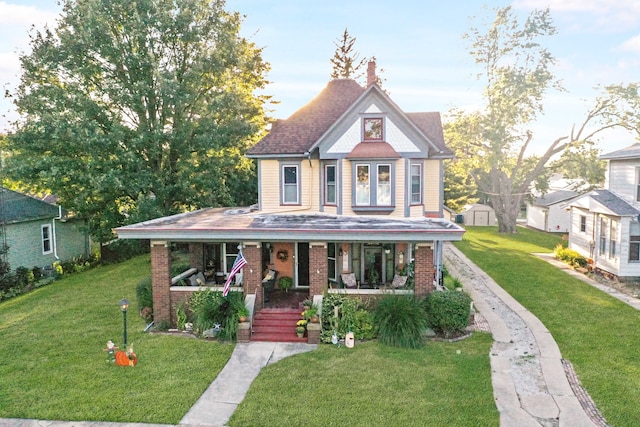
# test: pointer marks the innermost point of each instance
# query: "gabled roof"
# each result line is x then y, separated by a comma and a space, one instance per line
555, 197
606, 202
302, 129
632, 152
16, 207
299, 134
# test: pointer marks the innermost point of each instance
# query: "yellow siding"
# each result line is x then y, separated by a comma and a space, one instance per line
346, 187
270, 185
432, 186
400, 188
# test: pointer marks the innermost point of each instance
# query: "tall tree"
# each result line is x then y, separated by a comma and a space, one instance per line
346, 60
132, 110
517, 70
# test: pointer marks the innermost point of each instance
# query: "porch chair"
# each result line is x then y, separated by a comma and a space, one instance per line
349, 280
398, 281
268, 284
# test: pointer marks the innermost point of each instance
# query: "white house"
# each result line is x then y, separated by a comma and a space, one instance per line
548, 213
605, 223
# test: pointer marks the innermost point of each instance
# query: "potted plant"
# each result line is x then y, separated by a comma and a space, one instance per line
243, 314
307, 304
311, 314
301, 327
285, 283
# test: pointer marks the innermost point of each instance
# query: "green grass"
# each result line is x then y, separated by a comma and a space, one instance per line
54, 366
375, 385
597, 333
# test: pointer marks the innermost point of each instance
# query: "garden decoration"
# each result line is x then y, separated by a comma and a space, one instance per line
349, 340
111, 351
126, 358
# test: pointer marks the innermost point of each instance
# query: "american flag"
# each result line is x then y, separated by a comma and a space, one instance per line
238, 265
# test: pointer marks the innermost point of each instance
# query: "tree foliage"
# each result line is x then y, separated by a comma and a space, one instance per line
346, 61
133, 110
493, 142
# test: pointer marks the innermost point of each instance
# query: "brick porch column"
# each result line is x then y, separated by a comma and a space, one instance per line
318, 268
424, 271
252, 272
161, 280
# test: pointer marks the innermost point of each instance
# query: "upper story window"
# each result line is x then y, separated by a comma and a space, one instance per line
290, 179
372, 129
47, 246
330, 185
416, 184
374, 185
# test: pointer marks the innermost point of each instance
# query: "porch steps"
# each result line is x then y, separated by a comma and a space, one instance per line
276, 325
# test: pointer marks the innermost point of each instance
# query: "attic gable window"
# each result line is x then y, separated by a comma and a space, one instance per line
372, 129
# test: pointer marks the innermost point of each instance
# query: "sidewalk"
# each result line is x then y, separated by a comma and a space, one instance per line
531, 383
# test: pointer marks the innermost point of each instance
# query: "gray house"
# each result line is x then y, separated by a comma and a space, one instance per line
39, 233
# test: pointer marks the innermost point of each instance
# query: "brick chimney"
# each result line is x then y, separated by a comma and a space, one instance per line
371, 73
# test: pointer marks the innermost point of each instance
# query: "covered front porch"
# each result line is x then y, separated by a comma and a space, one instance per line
319, 253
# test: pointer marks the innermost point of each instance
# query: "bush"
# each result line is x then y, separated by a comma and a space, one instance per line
448, 311
569, 256
210, 308
353, 316
401, 321
144, 295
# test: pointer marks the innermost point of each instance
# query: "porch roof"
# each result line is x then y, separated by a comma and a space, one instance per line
246, 224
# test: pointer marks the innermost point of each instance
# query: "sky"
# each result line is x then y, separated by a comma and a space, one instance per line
418, 45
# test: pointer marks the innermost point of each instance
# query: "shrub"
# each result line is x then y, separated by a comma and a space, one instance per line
144, 295
210, 308
401, 321
448, 311
353, 316
569, 256
179, 267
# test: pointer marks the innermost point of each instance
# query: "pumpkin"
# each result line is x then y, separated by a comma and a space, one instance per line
122, 359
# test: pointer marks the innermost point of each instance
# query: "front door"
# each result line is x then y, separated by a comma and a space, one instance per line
302, 264
372, 266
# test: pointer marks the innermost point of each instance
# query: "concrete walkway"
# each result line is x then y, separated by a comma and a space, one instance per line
530, 384
220, 400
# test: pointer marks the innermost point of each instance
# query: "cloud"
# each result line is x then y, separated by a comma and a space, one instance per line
19, 15
631, 45
604, 13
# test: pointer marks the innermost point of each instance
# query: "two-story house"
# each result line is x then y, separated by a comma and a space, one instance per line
349, 184
605, 223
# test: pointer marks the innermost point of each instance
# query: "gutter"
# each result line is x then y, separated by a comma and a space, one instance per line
53, 231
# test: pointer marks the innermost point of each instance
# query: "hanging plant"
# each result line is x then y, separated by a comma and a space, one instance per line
282, 255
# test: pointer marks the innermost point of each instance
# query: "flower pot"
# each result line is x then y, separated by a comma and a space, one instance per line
300, 334
242, 319
315, 319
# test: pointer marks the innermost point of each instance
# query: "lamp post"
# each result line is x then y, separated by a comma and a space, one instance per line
124, 304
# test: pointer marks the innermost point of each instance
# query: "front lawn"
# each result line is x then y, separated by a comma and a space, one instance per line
54, 367
595, 332
442, 384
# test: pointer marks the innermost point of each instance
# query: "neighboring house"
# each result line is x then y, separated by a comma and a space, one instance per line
548, 212
39, 233
605, 223
478, 214
349, 186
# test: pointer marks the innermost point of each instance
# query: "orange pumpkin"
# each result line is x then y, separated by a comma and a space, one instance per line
122, 359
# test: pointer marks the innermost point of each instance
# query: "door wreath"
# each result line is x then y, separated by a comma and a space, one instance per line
282, 255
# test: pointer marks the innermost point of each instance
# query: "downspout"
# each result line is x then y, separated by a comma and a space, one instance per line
53, 231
